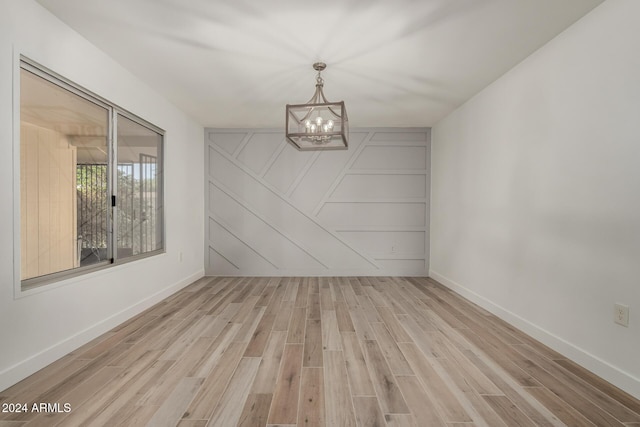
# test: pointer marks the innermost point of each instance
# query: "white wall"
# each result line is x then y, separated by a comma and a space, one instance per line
273, 210
40, 326
536, 194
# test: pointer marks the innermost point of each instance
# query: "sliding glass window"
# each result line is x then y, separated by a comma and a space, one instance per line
139, 184
72, 185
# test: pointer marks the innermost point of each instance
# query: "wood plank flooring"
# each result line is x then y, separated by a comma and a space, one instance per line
304, 351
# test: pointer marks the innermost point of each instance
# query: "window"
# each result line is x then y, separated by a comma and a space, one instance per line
139, 222
90, 181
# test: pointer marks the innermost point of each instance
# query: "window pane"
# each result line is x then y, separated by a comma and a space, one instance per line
139, 205
64, 212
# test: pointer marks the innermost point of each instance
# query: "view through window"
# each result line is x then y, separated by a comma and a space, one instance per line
72, 186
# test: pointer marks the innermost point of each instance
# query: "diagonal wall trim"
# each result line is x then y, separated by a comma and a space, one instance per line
286, 200
302, 173
381, 187
222, 256
265, 170
341, 175
222, 224
228, 141
241, 146
274, 210
220, 186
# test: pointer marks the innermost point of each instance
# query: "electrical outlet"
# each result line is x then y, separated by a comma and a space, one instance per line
621, 314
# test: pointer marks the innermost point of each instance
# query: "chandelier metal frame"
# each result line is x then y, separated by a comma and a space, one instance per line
318, 124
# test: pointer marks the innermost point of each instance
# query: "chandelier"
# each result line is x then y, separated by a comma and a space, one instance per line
318, 124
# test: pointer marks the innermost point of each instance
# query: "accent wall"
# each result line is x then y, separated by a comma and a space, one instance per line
275, 211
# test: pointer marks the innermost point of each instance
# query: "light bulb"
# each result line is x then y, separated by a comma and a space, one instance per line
313, 128
330, 124
319, 121
307, 123
325, 127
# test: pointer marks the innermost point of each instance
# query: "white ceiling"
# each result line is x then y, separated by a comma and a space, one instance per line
236, 63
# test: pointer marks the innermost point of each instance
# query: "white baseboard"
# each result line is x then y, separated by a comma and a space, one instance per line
19, 371
603, 369
318, 273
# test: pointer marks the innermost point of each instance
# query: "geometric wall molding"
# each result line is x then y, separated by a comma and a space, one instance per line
274, 211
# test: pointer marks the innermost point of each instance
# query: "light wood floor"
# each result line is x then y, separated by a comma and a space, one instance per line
314, 352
